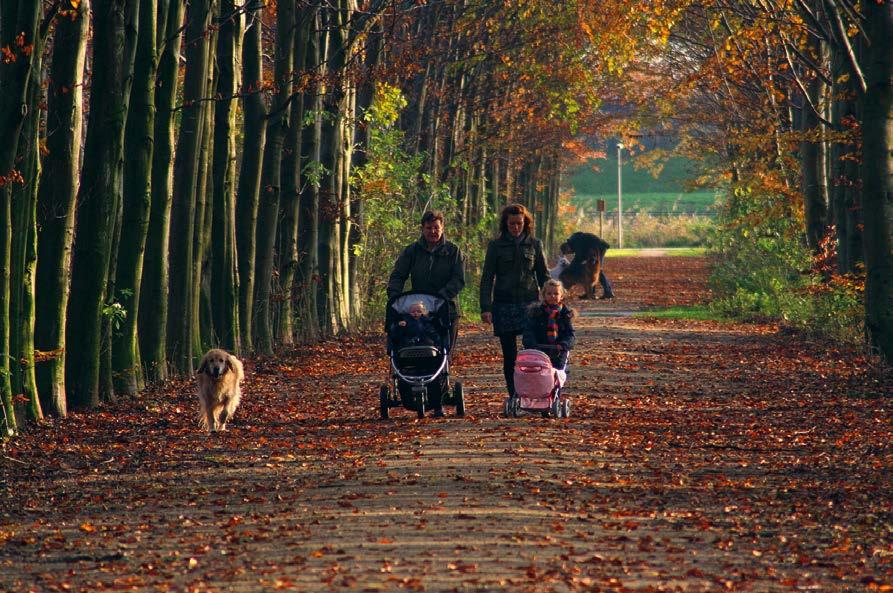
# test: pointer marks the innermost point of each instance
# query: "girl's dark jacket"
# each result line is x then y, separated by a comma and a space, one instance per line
513, 271
535, 332
440, 271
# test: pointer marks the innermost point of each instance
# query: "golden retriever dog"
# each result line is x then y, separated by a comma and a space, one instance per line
219, 377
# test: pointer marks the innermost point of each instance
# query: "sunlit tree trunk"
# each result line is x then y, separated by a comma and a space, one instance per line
180, 331
138, 148
253, 134
268, 205
153, 308
99, 193
56, 199
308, 220
877, 177
292, 162
224, 276
24, 255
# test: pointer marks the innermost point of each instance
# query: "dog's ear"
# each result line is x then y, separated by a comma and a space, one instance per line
203, 368
229, 363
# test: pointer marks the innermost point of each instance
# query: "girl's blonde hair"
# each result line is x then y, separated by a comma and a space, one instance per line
552, 282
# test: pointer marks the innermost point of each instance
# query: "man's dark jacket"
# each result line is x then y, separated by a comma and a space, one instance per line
440, 271
513, 271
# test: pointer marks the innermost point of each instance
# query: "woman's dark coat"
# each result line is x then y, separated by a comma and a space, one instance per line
513, 271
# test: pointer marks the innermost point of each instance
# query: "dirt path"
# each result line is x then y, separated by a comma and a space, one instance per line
700, 457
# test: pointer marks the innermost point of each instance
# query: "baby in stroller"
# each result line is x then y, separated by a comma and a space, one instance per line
541, 369
415, 328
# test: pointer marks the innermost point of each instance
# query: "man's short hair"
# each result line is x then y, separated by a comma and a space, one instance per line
431, 216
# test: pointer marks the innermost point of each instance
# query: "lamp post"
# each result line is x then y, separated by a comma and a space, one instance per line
620, 195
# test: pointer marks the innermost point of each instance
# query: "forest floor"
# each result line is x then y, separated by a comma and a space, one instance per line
699, 456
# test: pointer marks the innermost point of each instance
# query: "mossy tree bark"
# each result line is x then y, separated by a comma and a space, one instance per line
138, 149
55, 204
253, 134
224, 273
268, 205
181, 295
153, 308
115, 27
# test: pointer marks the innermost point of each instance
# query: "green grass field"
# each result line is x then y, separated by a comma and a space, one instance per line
641, 190
669, 251
696, 312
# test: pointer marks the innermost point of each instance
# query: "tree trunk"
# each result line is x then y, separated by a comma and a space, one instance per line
153, 309
224, 276
308, 220
877, 177
15, 75
268, 206
180, 330
815, 206
291, 165
55, 204
24, 255
99, 193
254, 131
138, 148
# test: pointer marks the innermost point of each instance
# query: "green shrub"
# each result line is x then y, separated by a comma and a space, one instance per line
763, 269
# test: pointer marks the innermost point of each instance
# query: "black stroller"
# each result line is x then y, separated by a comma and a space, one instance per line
420, 373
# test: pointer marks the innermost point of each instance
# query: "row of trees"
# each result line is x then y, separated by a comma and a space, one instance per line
789, 103
181, 174
214, 172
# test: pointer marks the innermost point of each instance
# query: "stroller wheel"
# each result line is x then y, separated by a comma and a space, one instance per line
384, 396
420, 405
555, 408
566, 408
516, 407
459, 396
506, 407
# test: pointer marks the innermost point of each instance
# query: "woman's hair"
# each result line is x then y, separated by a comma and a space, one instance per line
552, 282
431, 216
514, 210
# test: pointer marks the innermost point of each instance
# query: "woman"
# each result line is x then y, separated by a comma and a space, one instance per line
514, 270
433, 265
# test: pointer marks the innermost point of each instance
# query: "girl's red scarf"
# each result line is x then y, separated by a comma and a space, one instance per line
552, 312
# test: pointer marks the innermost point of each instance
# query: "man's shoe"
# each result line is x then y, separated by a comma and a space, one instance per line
438, 413
606, 296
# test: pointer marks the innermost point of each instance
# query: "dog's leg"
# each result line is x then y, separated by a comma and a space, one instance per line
212, 422
224, 414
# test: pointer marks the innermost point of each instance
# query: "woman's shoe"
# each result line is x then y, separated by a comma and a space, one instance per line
438, 413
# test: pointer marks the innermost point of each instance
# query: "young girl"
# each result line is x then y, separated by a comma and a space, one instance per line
549, 324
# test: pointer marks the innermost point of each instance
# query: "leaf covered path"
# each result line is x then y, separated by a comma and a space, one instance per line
700, 456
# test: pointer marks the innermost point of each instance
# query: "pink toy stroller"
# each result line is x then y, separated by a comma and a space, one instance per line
537, 387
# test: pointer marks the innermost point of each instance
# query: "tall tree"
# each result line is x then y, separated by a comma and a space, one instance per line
153, 308
877, 176
253, 134
181, 295
115, 27
268, 207
56, 200
224, 276
138, 149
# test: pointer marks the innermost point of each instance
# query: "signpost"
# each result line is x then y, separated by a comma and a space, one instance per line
601, 217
